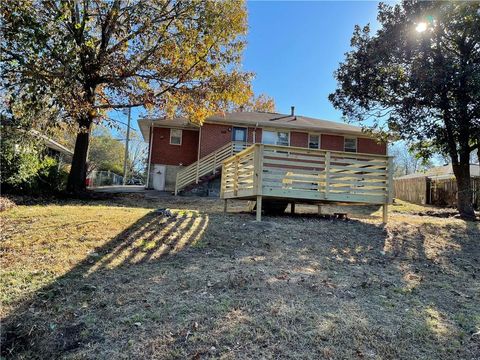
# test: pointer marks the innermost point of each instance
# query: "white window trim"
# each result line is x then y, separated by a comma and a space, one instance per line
319, 140
356, 143
181, 136
277, 130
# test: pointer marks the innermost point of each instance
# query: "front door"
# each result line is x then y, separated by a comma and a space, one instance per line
159, 177
240, 137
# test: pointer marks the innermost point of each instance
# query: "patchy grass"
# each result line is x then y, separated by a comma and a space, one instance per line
118, 280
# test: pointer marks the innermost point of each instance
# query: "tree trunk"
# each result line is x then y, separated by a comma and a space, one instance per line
464, 186
78, 172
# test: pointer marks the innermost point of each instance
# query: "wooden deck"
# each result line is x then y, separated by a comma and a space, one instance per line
307, 176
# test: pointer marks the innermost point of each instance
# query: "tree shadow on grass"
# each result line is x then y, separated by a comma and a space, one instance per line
426, 277
33, 329
298, 287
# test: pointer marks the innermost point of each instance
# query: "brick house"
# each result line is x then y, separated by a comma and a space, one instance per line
177, 146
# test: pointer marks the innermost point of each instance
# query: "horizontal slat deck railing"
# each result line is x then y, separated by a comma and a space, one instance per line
307, 174
206, 165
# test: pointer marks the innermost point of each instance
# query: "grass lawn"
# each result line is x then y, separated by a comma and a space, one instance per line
119, 280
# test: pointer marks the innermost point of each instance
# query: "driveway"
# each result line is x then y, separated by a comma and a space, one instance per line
120, 189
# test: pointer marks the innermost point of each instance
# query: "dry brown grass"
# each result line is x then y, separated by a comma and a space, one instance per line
116, 280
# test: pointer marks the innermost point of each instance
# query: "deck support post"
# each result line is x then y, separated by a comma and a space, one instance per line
259, 208
225, 206
319, 209
385, 213
292, 207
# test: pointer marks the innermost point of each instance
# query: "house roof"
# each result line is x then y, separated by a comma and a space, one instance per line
179, 123
260, 119
441, 172
52, 144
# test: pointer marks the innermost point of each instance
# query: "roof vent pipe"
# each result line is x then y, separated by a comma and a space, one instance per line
293, 111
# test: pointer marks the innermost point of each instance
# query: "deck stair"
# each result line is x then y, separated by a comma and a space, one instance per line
207, 167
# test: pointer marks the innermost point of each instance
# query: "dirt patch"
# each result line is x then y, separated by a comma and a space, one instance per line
122, 280
440, 213
6, 203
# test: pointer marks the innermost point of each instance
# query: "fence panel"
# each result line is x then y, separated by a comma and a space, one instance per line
439, 192
443, 192
413, 190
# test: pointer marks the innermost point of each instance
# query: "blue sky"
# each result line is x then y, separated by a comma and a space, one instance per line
294, 47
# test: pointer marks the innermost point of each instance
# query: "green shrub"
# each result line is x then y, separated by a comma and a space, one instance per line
25, 168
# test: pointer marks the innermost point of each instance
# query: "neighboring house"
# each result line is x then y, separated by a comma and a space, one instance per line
437, 186
54, 148
180, 152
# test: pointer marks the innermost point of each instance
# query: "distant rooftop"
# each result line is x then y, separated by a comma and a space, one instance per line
441, 172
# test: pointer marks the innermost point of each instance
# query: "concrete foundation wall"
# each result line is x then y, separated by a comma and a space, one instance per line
170, 177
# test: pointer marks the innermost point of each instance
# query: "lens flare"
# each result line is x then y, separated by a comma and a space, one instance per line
421, 27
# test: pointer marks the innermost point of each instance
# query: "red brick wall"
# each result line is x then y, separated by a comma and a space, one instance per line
258, 135
370, 146
213, 137
164, 153
331, 142
364, 145
298, 139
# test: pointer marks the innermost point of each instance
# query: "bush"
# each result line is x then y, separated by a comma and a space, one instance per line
26, 169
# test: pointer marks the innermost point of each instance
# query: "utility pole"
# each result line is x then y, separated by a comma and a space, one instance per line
126, 148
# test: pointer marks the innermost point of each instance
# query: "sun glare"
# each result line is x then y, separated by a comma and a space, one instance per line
421, 27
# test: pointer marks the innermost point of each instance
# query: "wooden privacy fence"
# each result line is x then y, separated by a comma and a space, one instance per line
443, 192
309, 175
433, 190
413, 190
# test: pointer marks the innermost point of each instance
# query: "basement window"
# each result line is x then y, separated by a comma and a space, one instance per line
175, 137
350, 144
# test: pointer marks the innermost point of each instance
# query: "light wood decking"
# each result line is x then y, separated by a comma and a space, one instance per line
307, 175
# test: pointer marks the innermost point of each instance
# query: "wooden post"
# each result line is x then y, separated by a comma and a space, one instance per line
214, 163
225, 206
258, 168
235, 177
292, 207
222, 182
176, 184
327, 173
259, 207
390, 180
385, 213
319, 209
197, 173
198, 154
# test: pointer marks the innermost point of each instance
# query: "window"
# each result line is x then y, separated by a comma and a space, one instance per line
175, 137
314, 141
350, 144
282, 138
275, 137
239, 134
